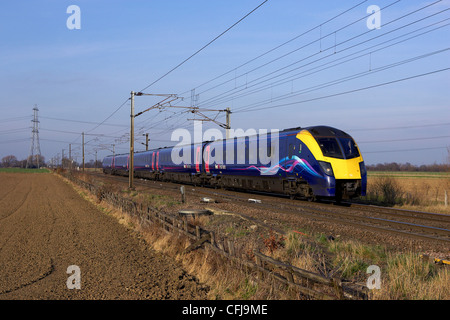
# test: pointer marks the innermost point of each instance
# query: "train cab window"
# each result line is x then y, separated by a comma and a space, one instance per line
330, 147
349, 147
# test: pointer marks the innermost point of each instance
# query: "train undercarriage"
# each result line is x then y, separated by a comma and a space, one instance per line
295, 188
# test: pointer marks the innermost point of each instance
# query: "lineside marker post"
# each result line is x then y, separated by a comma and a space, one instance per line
446, 198
183, 194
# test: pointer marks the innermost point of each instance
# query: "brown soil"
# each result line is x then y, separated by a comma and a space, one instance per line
45, 227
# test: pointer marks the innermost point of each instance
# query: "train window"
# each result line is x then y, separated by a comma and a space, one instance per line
291, 150
349, 147
330, 148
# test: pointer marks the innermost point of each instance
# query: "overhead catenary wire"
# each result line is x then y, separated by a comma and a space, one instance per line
180, 64
280, 45
405, 139
351, 91
406, 150
341, 80
220, 98
302, 47
325, 66
82, 121
403, 127
202, 48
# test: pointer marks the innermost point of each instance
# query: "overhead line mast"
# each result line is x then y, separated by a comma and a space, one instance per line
165, 103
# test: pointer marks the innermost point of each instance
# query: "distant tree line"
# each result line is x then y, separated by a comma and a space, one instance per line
394, 166
11, 161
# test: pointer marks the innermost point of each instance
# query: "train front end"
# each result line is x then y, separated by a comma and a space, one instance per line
340, 161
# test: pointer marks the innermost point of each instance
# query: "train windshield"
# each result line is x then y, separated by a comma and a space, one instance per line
330, 147
335, 143
349, 148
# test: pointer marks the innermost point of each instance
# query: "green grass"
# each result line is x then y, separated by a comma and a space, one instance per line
407, 174
22, 170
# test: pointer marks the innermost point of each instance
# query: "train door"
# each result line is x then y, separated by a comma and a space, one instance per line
157, 161
198, 157
153, 161
206, 160
290, 168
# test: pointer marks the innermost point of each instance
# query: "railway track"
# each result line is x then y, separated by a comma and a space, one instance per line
411, 224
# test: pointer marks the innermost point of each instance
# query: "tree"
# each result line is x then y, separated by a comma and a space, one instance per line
33, 161
9, 161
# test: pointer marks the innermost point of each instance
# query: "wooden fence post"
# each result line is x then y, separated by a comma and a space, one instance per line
259, 263
197, 232
230, 247
185, 224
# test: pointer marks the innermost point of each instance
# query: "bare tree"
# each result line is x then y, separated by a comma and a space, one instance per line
9, 161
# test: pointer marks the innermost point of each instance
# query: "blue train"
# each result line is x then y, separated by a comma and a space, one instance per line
311, 163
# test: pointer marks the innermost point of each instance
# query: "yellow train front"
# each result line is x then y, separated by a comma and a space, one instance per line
335, 158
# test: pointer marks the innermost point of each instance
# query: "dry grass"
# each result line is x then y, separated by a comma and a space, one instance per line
226, 281
409, 277
404, 276
414, 193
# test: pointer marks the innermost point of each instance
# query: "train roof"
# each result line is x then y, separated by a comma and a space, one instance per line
325, 131
316, 131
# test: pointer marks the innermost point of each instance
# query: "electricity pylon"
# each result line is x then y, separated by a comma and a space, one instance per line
35, 149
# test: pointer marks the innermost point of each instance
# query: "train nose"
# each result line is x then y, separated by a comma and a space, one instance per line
346, 169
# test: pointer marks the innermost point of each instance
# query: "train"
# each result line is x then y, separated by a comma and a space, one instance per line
312, 163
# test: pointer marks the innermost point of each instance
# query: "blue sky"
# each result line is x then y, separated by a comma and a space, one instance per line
78, 78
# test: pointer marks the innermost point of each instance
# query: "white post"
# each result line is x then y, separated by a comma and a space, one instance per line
446, 198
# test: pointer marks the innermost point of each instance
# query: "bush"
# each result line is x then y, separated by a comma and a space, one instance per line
388, 191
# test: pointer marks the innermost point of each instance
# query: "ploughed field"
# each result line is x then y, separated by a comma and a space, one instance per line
46, 226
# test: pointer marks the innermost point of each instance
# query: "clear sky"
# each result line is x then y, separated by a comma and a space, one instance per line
288, 64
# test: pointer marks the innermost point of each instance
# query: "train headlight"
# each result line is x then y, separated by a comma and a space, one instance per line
362, 168
326, 168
